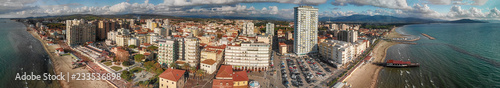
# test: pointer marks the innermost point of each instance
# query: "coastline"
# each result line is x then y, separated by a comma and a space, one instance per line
63, 64
366, 75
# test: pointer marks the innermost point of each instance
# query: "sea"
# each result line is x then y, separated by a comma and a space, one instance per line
463, 55
21, 52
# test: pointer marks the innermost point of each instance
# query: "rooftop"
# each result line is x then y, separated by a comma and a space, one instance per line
172, 74
208, 61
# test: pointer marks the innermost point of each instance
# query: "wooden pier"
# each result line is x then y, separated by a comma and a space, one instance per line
430, 37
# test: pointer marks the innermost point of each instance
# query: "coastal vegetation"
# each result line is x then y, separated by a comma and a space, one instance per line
107, 63
116, 68
127, 75
139, 57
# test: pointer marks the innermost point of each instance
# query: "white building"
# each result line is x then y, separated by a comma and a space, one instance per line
134, 41
306, 30
192, 51
247, 55
167, 52
78, 32
209, 66
338, 51
270, 29
122, 37
248, 28
112, 35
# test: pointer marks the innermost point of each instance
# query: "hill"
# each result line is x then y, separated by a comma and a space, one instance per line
466, 21
376, 19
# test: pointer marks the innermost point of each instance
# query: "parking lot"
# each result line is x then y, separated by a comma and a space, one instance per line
303, 72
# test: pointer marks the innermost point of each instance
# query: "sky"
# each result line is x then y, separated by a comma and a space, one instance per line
427, 9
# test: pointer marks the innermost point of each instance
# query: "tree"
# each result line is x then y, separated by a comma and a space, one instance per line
193, 71
139, 57
174, 65
132, 46
152, 48
148, 65
200, 73
126, 75
186, 66
126, 63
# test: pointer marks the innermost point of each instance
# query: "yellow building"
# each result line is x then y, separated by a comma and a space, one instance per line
154, 25
172, 78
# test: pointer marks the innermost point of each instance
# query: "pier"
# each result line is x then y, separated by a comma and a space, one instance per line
430, 37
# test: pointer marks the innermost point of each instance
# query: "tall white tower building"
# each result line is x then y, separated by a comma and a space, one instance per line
306, 30
270, 29
248, 28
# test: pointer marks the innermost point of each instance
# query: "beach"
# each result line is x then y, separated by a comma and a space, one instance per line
64, 64
366, 75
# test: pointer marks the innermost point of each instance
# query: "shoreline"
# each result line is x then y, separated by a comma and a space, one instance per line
366, 75
63, 64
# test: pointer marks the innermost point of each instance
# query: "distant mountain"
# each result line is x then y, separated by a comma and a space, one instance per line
237, 17
466, 21
376, 19
491, 21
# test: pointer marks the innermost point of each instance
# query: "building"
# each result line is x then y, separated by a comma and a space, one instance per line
248, 28
122, 37
78, 32
226, 78
167, 52
112, 35
264, 39
248, 55
339, 52
103, 27
181, 48
283, 48
192, 51
270, 29
172, 78
134, 41
348, 35
305, 30
209, 66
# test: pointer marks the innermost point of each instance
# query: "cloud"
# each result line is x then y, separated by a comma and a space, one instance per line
457, 2
458, 13
7, 6
225, 2
392, 4
494, 13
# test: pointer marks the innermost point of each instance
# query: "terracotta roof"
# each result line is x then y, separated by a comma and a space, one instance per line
180, 62
172, 74
147, 53
282, 44
240, 76
208, 61
217, 83
146, 44
225, 71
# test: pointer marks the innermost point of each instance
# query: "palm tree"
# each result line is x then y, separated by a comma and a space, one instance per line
186, 66
200, 73
193, 71
173, 65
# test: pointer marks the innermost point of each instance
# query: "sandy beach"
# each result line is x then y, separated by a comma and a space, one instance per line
366, 75
63, 64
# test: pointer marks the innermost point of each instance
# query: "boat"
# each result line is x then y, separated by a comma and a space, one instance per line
400, 64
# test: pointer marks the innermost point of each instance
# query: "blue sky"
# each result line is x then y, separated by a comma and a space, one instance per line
430, 9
